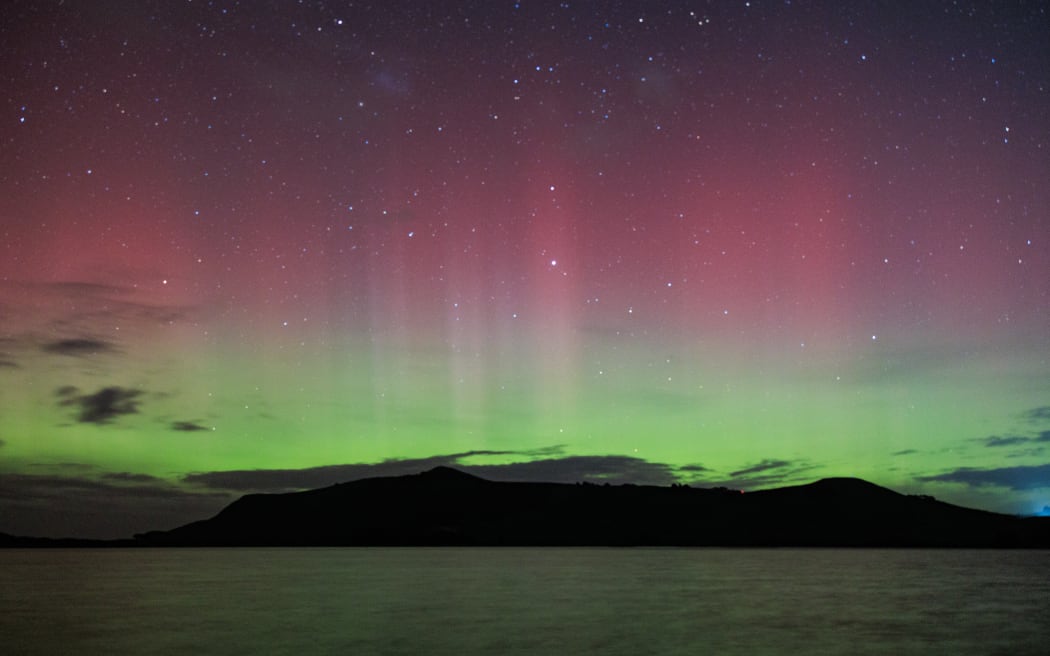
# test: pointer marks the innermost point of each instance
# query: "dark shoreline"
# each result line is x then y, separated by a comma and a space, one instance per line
446, 507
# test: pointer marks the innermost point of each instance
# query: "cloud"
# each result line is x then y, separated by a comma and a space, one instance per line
278, 480
1015, 440
1038, 415
188, 426
3, 443
693, 468
127, 477
569, 469
1011, 440
765, 473
1014, 478
614, 470
765, 465
8, 364
905, 452
103, 406
79, 346
114, 505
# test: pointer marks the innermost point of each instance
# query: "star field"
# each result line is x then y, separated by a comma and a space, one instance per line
717, 243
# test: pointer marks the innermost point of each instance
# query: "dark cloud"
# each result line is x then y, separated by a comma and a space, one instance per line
276, 480
905, 452
614, 470
187, 426
79, 346
8, 364
3, 443
1010, 440
1039, 414
765, 473
103, 406
1014, 478
569, 469
127, 477
693, 468
763, 466
1015, 440
113, 505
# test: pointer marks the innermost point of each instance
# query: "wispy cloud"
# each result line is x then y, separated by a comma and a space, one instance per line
611, 469
1038, 415
614, 470
85, 504
1010, 440
768, 472
1014, 478
128, 477
187, 426
80, 346
763, 466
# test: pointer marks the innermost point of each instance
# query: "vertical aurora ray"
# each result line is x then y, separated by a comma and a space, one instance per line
745, 244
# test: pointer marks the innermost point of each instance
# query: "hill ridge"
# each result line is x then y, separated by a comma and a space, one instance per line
446, 506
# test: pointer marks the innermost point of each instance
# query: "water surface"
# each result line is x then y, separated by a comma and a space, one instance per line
524, 601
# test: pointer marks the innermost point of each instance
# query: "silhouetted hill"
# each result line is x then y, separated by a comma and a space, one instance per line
444, 506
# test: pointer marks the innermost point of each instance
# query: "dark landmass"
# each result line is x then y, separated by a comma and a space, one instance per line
447, 507
444, 506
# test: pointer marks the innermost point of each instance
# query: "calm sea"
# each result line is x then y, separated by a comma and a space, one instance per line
524, 601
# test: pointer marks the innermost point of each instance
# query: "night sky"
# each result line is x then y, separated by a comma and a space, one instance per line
265, 246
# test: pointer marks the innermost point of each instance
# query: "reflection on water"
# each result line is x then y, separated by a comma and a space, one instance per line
499, 601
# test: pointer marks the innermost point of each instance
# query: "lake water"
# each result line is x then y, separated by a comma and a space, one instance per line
524, 601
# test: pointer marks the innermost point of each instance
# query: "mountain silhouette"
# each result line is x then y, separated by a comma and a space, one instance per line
444, 506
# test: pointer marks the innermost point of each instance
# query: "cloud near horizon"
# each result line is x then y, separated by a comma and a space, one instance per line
768, 472
612, 469
567, 469
1020, 478
110, 505
188, 426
